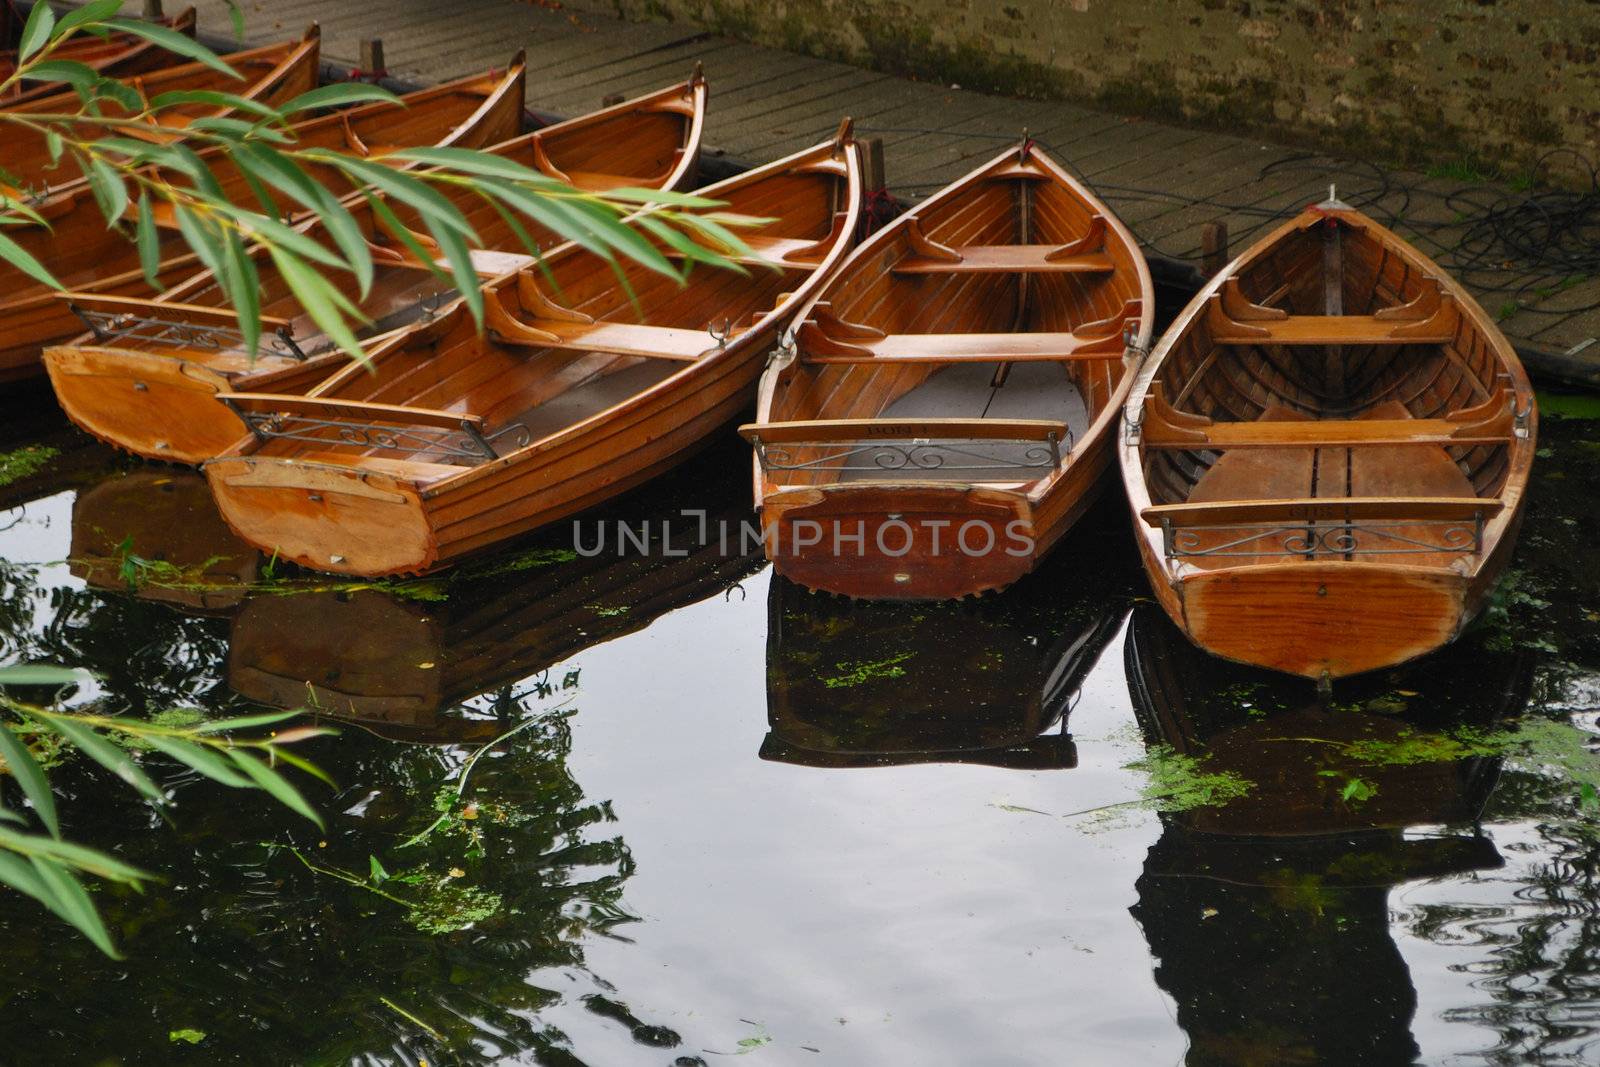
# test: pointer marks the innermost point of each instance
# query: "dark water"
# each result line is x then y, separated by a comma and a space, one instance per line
742, 820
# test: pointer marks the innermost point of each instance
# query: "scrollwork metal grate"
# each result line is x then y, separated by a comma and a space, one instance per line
466, 443
1327, 539
919, 454
109, 327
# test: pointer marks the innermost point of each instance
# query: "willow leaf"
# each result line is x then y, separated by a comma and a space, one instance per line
25, 769
23, 260
175, 42
103, 752
149, 243
94, 11
245, 722
198, 758
68, 900
275, 784
109, 190
319, 299
339, 94
35, 32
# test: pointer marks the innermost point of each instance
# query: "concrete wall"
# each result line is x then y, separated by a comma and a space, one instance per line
1480, 85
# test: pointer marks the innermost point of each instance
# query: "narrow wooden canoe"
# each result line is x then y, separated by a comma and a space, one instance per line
457, 441
271, 75
116, 55
146, 378
1327, 454
885, 684
944, 410
81, 251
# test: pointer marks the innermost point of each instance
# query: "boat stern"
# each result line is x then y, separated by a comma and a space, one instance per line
1322, 620
151, 405
338, 519
900, 542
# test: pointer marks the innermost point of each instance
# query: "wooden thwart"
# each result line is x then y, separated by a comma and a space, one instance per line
826, 338
1432, 318
1083, 255
1323, 509
359, 411
819, 431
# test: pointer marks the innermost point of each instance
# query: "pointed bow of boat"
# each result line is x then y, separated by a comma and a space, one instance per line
338, 519
899, 542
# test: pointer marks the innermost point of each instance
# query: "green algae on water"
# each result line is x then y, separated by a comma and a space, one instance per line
25, 462
852, 674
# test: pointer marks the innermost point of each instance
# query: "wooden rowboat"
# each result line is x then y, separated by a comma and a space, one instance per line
117, 55
272, 75
79, 249
456, 441
944, 409
1326, 455
145, 379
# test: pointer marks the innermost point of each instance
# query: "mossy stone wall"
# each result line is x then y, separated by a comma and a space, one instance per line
1489, 86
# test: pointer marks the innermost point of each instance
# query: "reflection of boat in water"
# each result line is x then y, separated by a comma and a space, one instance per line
155, 532
1261, 910
396, 662
880, 683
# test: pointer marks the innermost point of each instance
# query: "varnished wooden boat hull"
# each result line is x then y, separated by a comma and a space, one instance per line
1300, 497
351, 510
158, 400
999, 255
118, 56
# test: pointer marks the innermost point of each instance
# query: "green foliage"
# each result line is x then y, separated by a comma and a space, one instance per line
186, 1036
32, 739
138, 183
24, 462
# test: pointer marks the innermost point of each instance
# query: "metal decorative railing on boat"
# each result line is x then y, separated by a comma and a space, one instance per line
1401, 537
466, 443
112, 326
944, 457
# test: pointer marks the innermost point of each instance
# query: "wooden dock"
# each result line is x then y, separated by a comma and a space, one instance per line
1167, 182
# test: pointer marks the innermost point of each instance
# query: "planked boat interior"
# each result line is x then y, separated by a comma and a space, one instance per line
1326, 456
271, 75
457, 440
116, 55
964, 369
146, 376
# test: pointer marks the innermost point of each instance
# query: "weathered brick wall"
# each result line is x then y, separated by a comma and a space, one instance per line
1487, 84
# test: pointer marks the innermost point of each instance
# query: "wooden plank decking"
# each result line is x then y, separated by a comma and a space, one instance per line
1165, 181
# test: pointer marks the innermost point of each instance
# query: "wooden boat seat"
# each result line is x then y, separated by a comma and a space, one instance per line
826, 338
1396, 494
1431, 318
800, 253
1085, 255
1489, 423
546, 324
